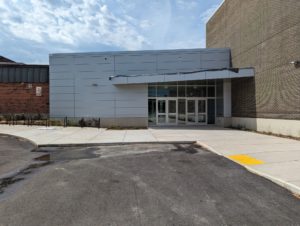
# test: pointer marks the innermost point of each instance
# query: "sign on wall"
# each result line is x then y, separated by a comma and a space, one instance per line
38, 91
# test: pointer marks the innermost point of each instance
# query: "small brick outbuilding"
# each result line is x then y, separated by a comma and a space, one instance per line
24, 88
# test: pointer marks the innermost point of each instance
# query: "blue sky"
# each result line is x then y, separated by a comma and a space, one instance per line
31, 29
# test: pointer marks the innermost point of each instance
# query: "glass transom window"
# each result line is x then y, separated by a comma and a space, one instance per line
205, 88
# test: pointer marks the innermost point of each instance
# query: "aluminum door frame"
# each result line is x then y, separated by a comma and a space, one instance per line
196, 99
167, 111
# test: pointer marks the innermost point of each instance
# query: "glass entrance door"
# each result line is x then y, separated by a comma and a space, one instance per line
202, 112
166, 111
173, 111
196, 111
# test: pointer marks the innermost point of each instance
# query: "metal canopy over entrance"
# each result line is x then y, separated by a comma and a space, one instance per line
226, 73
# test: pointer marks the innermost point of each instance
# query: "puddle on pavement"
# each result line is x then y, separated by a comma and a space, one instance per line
5, 182
61, 154
23, 174
58, 154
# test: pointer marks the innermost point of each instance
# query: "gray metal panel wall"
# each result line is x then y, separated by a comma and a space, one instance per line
80, 85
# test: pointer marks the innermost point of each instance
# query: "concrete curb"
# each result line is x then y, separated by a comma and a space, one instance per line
114, 143
23, 138
291, 187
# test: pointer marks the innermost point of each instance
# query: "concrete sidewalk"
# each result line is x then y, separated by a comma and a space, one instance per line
275, 158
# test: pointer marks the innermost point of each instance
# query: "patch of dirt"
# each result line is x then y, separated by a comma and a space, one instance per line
296, 195
191, 149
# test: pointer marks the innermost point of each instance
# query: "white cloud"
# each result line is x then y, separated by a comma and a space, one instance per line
187, 4
64, 21
31, 29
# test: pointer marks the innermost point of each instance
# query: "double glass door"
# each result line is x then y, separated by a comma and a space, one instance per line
166, 111
173, 111
196, 111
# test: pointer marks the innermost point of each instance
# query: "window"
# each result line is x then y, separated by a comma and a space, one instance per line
167, 91
151, 91
196, 91
181, 91
172, 90
211, 91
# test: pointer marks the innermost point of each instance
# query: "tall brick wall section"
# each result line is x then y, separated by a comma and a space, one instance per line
264, 34
19, 98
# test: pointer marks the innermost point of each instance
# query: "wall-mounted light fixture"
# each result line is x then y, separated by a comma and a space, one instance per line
296, 63
95, 84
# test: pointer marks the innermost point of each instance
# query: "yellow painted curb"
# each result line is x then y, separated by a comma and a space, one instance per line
245, 159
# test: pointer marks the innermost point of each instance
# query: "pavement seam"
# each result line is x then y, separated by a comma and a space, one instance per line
124, 136
100, 131
291, 187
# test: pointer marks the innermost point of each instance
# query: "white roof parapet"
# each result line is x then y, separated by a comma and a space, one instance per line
183, 76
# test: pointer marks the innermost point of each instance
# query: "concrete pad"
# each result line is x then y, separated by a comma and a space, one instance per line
287, 171
278, 157
229, 148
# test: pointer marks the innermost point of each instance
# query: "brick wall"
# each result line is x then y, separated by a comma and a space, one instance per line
264, 34
19, 98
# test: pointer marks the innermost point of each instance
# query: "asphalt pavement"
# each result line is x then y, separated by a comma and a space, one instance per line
144, 184
275, 158
15, 154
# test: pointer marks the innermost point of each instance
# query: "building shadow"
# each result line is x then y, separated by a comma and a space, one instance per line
244, 106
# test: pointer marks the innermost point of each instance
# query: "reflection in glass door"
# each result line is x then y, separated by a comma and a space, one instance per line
196, 111
172, 112
167, 111
181, 111
201, 111
161, 112
191, 111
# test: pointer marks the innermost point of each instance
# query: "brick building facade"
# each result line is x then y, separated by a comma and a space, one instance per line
264, 34
21, 98
23, 88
